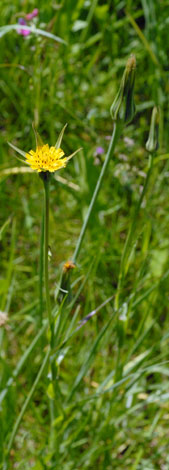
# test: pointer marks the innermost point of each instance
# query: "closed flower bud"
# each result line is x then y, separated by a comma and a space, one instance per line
123, 107
152, 142
65, 286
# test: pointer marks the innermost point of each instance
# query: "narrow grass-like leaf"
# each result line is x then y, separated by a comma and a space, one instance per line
22, 362
89, 359
10, 265
4, 226
27, 401
6, 29
16, 170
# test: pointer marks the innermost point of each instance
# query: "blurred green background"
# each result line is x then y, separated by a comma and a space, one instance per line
51, 83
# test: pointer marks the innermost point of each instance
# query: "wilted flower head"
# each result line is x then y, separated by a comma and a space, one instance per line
68, 266
3, 318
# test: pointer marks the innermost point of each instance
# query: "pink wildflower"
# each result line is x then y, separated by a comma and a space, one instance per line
23, 22
24, 32
32, 15
99, 151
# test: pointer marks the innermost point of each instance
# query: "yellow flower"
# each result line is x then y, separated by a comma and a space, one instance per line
46, 158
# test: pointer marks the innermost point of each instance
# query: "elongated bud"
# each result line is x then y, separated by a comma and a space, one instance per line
152, 142
123, 107
65, 287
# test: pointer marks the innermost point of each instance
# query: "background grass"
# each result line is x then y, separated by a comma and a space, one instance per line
107, 416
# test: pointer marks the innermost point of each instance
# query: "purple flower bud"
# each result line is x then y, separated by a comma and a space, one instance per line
99, 151
21, 21
23, 32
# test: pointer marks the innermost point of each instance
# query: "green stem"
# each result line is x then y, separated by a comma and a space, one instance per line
54, 400
46, 244
88, 20
131, 233
116, 132
41, 261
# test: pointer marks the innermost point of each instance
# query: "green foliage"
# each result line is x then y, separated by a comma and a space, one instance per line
112, 375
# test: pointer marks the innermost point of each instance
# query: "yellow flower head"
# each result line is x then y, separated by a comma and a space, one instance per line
46, 158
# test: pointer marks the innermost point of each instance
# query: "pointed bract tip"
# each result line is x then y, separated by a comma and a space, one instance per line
39, 141
131, 63
123, 107
152, 142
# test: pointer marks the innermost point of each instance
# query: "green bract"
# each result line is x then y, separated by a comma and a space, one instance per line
123, 107
152, 142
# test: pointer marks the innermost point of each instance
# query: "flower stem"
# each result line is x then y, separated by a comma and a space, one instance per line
116, 132
53, 401
46, 243
41, 262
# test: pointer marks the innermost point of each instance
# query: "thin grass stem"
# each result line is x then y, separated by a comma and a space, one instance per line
124, 259
116, 132
27, 401
131, 233
21, 363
